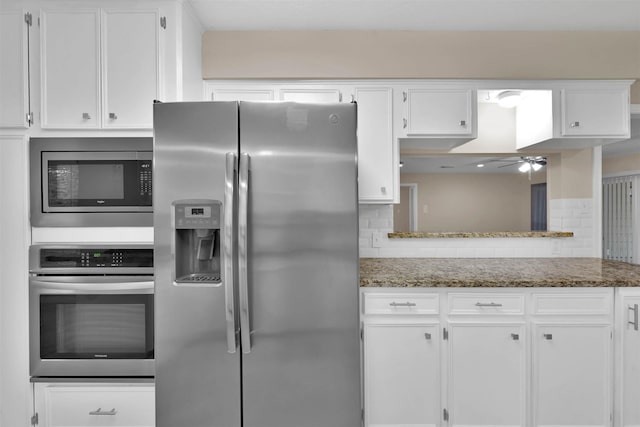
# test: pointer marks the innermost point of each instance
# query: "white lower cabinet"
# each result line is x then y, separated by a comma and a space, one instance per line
627, 372
93, 404
572, 375
487, 374
500, 357
402, 367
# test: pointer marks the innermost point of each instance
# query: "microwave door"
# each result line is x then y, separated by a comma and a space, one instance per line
96, 182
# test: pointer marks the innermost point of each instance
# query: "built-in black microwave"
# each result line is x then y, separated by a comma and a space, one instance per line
91, 182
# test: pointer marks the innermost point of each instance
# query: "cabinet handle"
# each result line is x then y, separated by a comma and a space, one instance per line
383, 190
113, 116
427, 335
634, 322
99, 411
575, 124
402, 304
491, 304
404, 123
86, 116
548, 336
515, 337
463, 123
404, 96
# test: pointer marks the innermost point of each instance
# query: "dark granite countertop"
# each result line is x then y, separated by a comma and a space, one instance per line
470, 235
496, 272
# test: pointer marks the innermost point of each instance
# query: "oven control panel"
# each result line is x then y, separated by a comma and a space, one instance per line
95, 257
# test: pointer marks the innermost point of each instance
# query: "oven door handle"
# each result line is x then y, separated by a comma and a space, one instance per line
88, 286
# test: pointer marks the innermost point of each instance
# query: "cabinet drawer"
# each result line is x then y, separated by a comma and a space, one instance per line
131, 406
572, 304
401, 303
486, 303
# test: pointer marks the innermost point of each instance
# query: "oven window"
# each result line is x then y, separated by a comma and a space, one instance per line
96, 326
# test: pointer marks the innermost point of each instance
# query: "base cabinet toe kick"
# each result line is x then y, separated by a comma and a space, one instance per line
501, 356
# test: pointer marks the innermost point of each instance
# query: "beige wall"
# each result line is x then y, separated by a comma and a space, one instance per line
621, 164
473, 202
569, 175
422, 54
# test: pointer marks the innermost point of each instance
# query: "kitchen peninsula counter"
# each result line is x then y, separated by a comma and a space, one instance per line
496, 272
480, 235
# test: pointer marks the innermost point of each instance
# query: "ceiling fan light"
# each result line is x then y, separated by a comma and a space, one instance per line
536, 167
524, 167
509, 98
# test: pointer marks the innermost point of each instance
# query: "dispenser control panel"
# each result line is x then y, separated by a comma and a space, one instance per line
190, 216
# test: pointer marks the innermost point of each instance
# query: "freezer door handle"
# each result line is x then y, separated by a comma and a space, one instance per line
243, 280
229, 197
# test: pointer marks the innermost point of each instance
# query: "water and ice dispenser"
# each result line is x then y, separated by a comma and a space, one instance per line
197, 241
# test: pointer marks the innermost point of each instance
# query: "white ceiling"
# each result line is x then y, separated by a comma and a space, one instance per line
426, 15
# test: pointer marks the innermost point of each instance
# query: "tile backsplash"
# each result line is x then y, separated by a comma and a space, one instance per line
575, 215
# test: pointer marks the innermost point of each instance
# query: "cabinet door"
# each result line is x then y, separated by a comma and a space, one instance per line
13, 70
240, 94
487, 374
402, 375
82, 405
630, 372
70, 72
446, 112
572, 374
310, 95
129, 37
595, 112
376, 154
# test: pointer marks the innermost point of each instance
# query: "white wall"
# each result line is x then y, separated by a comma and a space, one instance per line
15, 402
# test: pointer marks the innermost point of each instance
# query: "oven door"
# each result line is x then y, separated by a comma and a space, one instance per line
91, 326
94, 181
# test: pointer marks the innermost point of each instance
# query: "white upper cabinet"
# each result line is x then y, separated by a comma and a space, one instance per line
595, 112
438, 118
377, 157
307, 94
70, 68
99, 68
129, 37
440, 112
239, 94
579, 115
14, 89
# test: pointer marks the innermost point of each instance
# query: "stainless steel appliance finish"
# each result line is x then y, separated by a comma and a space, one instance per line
91, 311
82, 182
274, 340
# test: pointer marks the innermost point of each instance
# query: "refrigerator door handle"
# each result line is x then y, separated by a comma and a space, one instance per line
243, 200
229, 196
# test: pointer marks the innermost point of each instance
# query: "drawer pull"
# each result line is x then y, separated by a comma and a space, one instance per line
402, 304
548, 336
634, 322
515, 337
491, 304
99, 411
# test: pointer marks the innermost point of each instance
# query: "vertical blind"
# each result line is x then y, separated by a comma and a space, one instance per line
618, 217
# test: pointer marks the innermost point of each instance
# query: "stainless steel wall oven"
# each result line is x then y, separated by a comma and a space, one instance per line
91, 182
91, 311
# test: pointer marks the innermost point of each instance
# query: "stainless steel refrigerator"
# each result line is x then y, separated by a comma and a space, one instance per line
256, 265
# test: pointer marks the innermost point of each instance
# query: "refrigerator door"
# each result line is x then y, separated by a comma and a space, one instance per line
301, 365
197, 378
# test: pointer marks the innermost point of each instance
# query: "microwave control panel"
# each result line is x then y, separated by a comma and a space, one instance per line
95, 258
146, 178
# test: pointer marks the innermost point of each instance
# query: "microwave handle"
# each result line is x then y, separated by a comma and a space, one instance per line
92, 287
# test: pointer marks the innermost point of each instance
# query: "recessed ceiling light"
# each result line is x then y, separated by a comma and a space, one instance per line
480, 165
